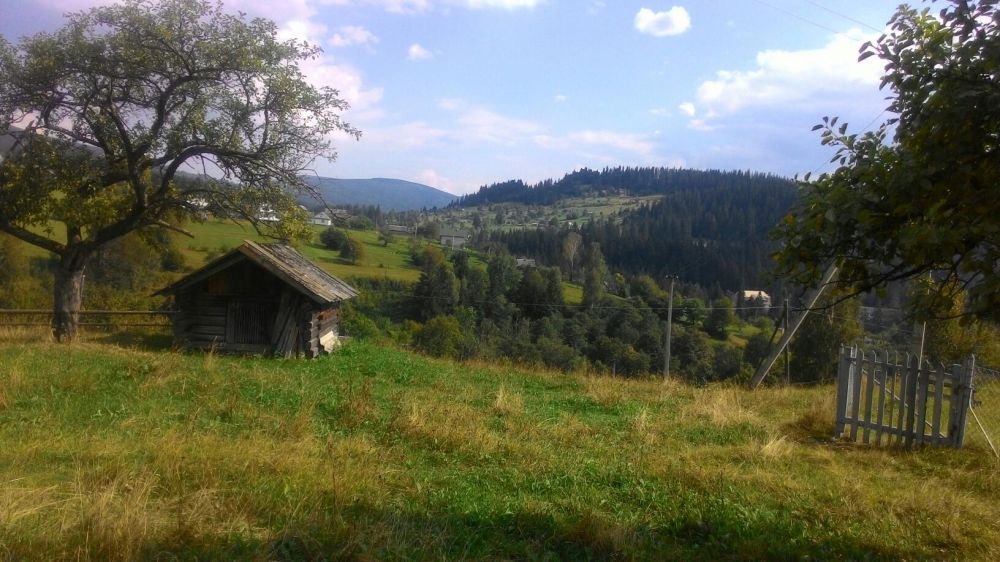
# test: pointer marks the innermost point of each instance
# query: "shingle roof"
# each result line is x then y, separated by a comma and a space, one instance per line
284, 262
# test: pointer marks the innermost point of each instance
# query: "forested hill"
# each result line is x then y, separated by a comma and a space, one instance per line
711, 230
633, 181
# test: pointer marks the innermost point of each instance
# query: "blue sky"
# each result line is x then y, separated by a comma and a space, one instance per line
461, 93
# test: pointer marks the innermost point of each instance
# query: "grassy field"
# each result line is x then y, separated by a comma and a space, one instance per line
115, 453
381, 262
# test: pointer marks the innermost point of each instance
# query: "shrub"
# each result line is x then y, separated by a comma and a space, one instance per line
441, 336
333, 238
360, 223
356, 325
353, 250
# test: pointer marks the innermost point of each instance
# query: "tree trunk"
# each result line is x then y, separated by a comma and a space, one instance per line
68, 296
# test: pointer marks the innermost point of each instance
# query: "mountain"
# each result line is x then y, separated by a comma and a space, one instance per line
711, 227
632, 181
389, 194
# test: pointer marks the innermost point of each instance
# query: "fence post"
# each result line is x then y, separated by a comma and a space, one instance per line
910, 399
964, 389
854, 392
843, 378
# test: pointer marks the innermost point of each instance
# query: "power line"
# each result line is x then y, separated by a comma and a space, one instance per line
845, 16
798, 17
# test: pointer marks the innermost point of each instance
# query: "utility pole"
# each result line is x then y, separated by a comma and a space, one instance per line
788, 366
809, 302
670, 322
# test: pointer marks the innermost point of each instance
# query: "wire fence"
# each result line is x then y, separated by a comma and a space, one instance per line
984, 418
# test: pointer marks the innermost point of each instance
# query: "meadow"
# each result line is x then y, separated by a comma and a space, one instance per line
119, 452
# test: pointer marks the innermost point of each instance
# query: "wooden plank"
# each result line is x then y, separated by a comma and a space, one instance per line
938, 400
966, 385
921, 402
855, 392
206, 329
843, 387
891, 381
884, 375
910, 398
904, 381
869, 393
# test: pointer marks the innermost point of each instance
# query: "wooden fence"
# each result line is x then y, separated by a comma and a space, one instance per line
889, 398
88, 318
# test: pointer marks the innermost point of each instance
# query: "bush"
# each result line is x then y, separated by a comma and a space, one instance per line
557, 355
333, 238
356, 325
353, 250
441, 336
360, 223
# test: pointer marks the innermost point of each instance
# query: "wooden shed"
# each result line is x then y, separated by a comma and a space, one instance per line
259, 298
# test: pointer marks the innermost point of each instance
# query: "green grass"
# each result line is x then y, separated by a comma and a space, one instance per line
112, 453
380, 262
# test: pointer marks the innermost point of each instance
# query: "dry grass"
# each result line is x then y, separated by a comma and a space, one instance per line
721, 406
507, 402
119, 454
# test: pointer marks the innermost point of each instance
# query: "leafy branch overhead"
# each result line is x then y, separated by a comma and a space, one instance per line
107, 111
918, 195
150, 87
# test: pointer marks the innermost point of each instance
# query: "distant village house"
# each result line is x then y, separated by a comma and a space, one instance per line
756, 298
400, 229
454, 238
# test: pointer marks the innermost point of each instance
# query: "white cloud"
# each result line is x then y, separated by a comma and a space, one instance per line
434, 179
325, 71
822, 79
559, 98
661, 24
352, 35
687, 108
660, 112
416, 52
486, 125
595, 7
577, 141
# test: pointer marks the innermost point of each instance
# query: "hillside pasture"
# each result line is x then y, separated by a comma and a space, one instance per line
115, 453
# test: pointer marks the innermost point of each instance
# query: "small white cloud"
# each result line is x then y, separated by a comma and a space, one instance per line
434, 179
687, 108
416, 52
659, 112
559, 98
352, 35
596, 6
661, 24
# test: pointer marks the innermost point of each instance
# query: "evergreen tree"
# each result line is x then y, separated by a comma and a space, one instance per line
720, 317
817, 342
438, 289
595, 271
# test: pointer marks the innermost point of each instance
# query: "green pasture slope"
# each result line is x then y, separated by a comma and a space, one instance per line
381, 262
111, 453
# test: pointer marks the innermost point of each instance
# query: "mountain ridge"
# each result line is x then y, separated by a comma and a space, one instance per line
388, 193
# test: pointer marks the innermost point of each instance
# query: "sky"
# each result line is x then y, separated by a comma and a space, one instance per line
458, 94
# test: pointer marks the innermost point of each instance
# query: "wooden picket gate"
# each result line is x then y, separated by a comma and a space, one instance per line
889, 398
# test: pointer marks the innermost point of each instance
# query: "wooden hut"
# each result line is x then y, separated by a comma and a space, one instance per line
259, 298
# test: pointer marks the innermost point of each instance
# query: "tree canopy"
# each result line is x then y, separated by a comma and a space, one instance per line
918, 195
106, 111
